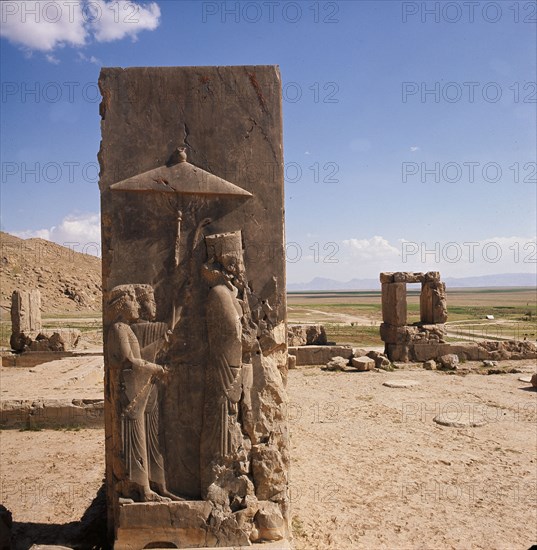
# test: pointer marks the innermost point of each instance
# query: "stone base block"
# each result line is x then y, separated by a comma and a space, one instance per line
185, 524
397, 352
319, 355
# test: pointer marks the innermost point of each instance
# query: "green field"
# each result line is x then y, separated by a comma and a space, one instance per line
354, 317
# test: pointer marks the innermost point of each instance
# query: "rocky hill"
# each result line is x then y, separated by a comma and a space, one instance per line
69, 281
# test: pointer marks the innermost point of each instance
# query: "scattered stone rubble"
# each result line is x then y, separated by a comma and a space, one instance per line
27, 333
360, 360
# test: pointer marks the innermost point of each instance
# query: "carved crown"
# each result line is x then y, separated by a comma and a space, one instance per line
223, 243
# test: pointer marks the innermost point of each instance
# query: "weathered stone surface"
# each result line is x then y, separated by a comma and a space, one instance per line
269, 522
386, 277
26, 311
337, 363
27, 332
400, 383
408, 277
432, 277
319, 355
433, 308
534, 380
291, 361
363, 363
429, 365
394, 308
381, 361
51, 413
471, 351
449, 361
397, 352
194, 320
25, 318
358, 352
306, 335
460, 421
397, 335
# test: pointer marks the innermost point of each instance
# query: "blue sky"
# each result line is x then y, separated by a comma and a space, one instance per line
409, 127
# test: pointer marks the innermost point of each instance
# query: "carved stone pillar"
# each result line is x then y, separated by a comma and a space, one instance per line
192, 216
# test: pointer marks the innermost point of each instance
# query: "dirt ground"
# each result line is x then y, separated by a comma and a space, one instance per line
370, 467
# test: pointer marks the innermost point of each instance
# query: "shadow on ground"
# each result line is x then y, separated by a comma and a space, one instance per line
87, 534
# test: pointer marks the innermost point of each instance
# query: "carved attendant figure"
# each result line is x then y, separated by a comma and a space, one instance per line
152, 337
133, 378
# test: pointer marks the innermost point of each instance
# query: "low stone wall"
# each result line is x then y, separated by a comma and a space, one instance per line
319, 355
469, 351
51, 413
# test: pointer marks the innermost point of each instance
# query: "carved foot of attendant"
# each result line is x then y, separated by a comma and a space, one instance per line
151, 496
161, 490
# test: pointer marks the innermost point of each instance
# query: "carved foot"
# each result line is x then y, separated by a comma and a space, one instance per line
151, 496
161, 490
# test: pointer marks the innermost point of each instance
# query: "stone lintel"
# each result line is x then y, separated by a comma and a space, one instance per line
408, 277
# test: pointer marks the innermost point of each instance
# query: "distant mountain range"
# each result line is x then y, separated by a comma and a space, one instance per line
500, 280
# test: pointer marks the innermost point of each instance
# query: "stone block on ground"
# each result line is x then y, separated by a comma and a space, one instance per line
449, 361
363, 363
337, 363
291, 361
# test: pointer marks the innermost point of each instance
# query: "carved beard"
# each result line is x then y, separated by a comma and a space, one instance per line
237, 280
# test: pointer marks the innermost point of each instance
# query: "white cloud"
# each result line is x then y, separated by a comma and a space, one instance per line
43, 25
46, 25
123, 18
90, 59
52, 59
365, 258
80, 232
374, 249
414, 148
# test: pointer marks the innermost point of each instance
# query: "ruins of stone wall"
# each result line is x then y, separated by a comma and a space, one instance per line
399, 337
26, 311
306, 335
27, 333
194, 308
425, 340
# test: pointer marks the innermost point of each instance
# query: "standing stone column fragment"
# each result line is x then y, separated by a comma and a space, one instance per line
194, 306
394, 308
